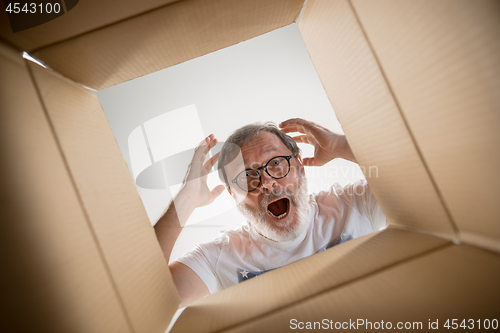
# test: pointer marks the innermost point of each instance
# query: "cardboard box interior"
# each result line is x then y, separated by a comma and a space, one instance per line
415, 86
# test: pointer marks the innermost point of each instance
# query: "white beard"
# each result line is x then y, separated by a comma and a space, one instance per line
295, 227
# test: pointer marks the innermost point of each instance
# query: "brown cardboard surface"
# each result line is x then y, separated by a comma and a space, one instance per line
54, 278
82, 256
455, 282
165, 37
111, 201
304, 279
371, 117
442, 60
86, 16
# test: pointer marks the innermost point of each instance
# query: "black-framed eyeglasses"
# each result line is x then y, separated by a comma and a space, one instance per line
277, 167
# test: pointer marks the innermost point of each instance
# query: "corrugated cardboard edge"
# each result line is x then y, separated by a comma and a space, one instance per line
441, 61
122, 230
86, 16
54, 277
305, 279
371, 118
164, 37
451, 282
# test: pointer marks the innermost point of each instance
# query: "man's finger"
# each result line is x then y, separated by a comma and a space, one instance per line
203, 148
210, 163
211, 143
294, 128
292, 122
299, 124
302, 139
199, 149
302, 126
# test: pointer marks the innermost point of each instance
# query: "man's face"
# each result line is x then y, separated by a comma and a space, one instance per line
277, 209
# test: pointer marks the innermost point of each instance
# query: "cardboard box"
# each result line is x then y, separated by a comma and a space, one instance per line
415, 86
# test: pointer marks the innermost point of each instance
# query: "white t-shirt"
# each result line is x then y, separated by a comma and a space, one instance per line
335, 216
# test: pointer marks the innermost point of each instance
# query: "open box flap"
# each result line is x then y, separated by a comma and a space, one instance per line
265, 294
54, 276
455, 283
164, 37
441, 60
371, 118
84, 17
110, 201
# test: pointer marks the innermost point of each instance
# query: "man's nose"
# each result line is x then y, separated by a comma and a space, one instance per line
268, 182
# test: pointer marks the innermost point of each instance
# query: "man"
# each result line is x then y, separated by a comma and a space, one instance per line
264, 173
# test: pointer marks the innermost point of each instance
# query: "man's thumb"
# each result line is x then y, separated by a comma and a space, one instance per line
217, 191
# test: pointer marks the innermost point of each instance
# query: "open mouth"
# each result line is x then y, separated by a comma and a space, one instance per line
279, 208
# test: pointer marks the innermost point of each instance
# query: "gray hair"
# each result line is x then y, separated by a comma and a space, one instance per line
242, 136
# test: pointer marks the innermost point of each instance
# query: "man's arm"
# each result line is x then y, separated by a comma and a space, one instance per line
194, 193
168, 228
190, 286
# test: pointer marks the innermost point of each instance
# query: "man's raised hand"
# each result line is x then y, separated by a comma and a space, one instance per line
194, 187
327, 145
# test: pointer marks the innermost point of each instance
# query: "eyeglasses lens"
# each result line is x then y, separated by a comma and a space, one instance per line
250, 179
278, 167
